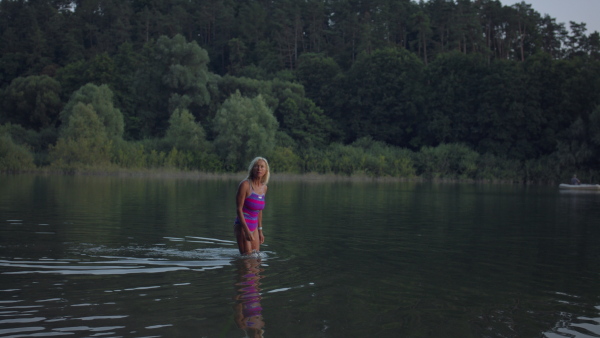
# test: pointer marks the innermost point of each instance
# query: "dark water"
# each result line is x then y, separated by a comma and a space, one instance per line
139, 257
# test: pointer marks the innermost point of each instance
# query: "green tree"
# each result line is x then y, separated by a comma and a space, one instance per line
245, 128
594, 45
185, 133
252, 21
543, 91
101, 100
316, 72
127, 61
174, 75
287, 28
508, 119
83, 141
577, 41
553, 36
574, 149
13, 156
453, 160
383, 97
524, 26
579, 148
422, 28
33, 102
99, 70
453, 98
315, 15
306, 123
185, 73
237, 55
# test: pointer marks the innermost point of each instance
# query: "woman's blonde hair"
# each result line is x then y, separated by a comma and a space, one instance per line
265, 179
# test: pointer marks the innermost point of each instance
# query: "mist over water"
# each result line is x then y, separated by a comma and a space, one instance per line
143, 257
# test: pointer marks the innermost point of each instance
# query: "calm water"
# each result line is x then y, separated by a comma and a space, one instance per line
140, 257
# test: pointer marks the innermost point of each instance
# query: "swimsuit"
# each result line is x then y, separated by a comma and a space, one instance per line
253, 205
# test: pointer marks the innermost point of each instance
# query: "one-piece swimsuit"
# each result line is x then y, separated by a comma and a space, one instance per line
253, 205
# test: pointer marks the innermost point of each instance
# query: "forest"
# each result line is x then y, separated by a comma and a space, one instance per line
438, 89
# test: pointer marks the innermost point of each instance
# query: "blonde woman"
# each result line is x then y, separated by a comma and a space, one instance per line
250, 201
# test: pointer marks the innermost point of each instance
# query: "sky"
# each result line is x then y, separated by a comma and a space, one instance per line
563, 11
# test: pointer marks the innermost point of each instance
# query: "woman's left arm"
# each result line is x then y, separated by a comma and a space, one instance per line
261, 237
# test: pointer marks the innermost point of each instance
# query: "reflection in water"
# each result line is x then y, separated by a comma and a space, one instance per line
247, 308
95, 290
128, 257
569, 325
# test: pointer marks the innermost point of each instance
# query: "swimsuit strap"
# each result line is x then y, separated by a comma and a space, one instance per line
252, 187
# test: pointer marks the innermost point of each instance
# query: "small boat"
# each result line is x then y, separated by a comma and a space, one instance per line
579, 186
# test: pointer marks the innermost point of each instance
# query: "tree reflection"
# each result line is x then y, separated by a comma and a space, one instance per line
247, 308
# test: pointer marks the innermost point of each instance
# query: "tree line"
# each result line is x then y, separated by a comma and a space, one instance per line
442, 89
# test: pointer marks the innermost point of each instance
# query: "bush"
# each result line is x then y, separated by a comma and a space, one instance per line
283, 159
184, 133
490, 167
381, 159
315, 160
14, 157
83, 141
447, 161
129, 154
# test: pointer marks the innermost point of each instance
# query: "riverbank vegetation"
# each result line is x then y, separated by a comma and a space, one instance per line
435, 89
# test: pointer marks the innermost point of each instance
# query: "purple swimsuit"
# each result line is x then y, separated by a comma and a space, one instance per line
253, 205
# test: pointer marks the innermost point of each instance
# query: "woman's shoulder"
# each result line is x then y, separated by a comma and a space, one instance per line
244, 184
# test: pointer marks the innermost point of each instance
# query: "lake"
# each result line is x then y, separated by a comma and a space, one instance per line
89, 256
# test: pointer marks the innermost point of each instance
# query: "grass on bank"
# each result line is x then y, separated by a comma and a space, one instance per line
362, 160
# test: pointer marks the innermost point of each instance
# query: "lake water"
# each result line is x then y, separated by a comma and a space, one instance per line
155, 257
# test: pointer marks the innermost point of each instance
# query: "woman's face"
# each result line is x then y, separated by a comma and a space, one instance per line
260, 169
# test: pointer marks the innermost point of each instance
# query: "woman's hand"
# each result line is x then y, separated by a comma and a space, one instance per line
261, 237
249, 235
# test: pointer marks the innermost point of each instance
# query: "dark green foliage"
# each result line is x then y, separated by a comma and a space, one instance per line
316, 73
379, 87
364, 157
185, 133
36, 141
301, 119
173, 75
580, 145
454, 98
447, 161
100, 98
33, 101
383, 97
83, 141
245, 128
284, 160
13, 156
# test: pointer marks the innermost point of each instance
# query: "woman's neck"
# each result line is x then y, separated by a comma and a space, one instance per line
256, 182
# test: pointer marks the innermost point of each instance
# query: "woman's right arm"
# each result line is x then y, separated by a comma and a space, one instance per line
242, 192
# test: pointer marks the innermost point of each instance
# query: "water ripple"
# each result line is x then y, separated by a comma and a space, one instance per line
101, 260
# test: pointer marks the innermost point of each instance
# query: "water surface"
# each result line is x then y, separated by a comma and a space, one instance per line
147, 257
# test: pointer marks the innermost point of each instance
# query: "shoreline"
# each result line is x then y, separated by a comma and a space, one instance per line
276, 177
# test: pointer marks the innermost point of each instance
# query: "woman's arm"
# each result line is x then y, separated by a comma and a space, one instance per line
261, 237
242, 193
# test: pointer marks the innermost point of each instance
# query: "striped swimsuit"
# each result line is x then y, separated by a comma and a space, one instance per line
253, 205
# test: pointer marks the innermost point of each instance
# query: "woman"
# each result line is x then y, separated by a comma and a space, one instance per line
250, 201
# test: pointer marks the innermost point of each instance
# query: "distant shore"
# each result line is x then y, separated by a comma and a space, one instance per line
275, 177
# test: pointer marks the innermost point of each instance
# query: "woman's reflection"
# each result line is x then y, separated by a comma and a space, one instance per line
247, 314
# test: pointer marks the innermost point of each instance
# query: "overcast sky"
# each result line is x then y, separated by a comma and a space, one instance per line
563, 11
